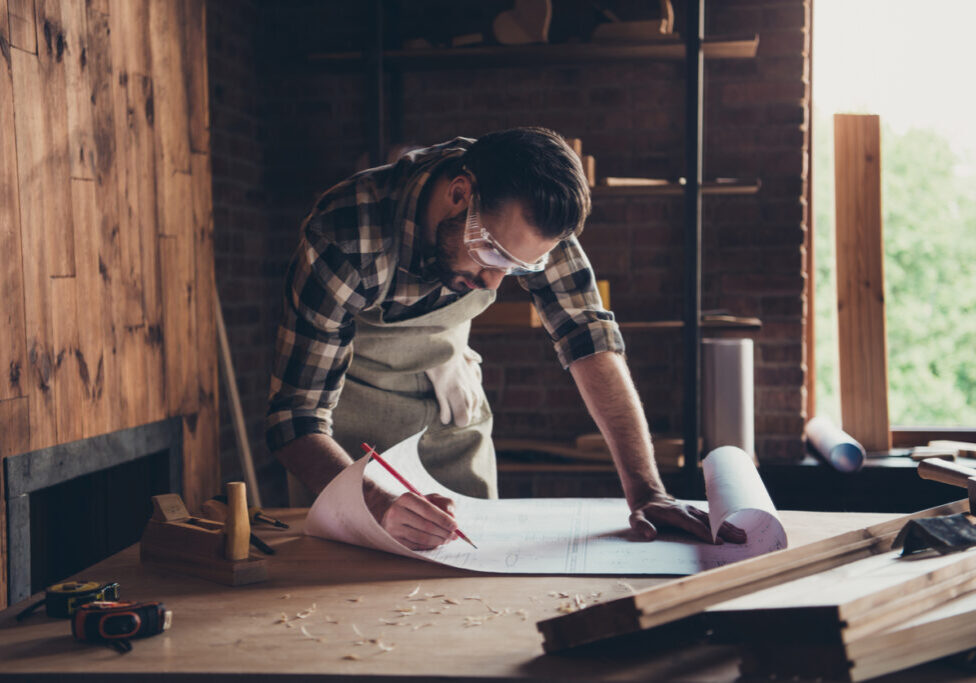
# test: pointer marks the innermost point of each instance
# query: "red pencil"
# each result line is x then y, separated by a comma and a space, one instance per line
389, 468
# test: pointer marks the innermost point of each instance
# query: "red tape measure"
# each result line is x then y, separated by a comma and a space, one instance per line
114, 623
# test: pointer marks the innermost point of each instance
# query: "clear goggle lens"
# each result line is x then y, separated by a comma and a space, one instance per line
485, 251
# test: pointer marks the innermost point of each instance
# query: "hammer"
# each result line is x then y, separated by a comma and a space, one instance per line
953, 474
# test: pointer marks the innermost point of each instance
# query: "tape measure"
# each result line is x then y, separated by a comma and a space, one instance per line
114, 623
64, 599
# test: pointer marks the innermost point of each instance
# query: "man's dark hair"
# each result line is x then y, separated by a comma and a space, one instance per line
536, 167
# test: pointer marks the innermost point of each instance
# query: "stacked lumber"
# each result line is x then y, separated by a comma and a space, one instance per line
843, 623
850, 607
675, 601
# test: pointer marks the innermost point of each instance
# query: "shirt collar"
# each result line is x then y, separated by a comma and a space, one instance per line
416, 258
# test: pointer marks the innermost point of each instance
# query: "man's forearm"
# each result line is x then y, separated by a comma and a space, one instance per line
315, 459
608, 391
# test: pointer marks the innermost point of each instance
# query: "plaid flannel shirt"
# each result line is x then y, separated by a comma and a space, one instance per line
361, 233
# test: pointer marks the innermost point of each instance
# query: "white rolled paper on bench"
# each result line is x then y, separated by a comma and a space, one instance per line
835, 446
737, 495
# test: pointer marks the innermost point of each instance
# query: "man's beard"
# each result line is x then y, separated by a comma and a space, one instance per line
450, 243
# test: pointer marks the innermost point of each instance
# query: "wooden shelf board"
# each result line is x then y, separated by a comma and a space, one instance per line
726, 47
724, 323
742, 187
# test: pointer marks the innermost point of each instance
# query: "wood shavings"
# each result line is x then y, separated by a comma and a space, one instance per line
286, 596
522, 613
354, 658
384, 647
558, 594
283, 619
435, 611
417, 627
406, 610
390, 622
576, 604
473, 597
413, 592
434, 595
330, 620
451, 601
310, 636
627, 587
358, 598
473, 621
357, 631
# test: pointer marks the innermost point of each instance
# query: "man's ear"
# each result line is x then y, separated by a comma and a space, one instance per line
459, 190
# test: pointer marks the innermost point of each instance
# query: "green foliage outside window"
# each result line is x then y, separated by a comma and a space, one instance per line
929, 207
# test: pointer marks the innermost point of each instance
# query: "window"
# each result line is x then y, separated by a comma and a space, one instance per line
908, 63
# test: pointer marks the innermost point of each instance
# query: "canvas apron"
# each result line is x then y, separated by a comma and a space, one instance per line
388, 397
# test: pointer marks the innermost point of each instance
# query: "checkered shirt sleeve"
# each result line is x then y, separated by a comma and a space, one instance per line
333, 275
568, 302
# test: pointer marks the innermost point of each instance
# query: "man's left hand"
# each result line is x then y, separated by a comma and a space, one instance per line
667, 512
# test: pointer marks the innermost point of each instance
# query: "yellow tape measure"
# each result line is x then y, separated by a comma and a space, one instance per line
63, 599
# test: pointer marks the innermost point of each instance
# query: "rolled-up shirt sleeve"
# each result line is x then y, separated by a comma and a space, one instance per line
566, 296
324, 289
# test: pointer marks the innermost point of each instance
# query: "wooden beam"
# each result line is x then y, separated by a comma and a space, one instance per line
863, 355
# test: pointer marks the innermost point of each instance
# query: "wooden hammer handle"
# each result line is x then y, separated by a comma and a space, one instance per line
237, 526
946, 472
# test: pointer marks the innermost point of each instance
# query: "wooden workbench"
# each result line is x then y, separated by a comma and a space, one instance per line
352, 595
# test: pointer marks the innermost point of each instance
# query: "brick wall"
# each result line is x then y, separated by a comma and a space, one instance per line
310, 131
247, 262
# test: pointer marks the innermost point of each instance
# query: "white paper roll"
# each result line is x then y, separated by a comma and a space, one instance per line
728, 413
834, 445
736, 494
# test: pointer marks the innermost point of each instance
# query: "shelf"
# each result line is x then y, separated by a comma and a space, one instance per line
724, 322
668, 189
726, 47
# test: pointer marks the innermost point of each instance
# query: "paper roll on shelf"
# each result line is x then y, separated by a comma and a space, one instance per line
728, 413
833, 445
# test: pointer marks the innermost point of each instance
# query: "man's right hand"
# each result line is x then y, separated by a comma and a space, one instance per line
419, 522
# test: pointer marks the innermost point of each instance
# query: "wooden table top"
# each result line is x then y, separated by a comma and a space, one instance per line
367, 615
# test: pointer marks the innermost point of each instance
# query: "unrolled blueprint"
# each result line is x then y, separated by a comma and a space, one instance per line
553, 535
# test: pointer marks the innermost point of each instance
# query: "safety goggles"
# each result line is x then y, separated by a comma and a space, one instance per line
486, 252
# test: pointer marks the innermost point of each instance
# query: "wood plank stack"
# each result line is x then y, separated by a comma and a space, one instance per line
846, 608
839, 623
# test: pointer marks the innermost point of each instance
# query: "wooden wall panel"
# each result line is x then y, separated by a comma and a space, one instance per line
101, 269
201, 472
195, 62
41, 129
139, 333
13, 355
22, 31
105, 204
863, 357
174, 212
81, 145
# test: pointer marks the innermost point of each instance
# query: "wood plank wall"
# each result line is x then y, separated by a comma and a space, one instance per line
107, 276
